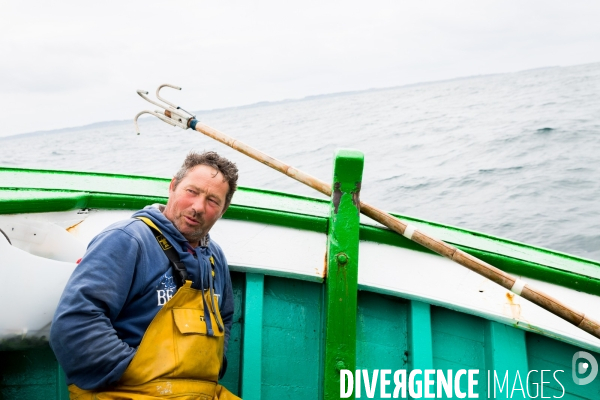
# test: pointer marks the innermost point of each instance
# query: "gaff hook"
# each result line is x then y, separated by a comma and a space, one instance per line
172, 115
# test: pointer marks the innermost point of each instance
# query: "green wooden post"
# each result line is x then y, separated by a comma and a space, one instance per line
420, 338
420, 341
505, 350
342, 270
251, 379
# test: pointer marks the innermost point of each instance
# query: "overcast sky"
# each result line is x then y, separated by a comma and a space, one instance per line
71, 63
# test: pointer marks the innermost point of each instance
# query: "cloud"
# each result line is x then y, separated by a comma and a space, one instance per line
91, 57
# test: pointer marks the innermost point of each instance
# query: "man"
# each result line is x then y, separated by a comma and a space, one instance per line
139, 320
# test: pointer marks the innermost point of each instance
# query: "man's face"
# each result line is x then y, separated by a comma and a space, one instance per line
197, 202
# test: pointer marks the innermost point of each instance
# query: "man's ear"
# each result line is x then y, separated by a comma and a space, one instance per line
172, 185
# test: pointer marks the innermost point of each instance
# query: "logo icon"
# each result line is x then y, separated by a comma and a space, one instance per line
164, 243
582, 367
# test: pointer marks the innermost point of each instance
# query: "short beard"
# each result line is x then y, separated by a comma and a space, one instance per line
195, 236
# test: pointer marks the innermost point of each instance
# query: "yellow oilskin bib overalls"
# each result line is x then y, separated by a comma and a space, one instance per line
176, 359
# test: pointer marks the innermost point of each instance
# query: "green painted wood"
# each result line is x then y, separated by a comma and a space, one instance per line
381, 337
292, 348
342, 270
420, 341
292, 338
506, 361
252, 342
62, 391
459, 343
551, 356
28, 374
25, 190
507, 255
232, 378
291, 360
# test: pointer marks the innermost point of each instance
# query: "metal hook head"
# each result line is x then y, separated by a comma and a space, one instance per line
167, 85
172, 115
163, 100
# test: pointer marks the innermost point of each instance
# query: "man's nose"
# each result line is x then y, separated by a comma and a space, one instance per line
199, 205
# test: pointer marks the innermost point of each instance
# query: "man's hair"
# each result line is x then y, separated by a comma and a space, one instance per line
212, 159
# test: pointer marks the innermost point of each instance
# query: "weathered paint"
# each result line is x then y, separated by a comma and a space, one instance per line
74, 226
342, 271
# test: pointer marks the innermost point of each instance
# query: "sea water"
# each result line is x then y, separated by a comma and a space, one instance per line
514, 155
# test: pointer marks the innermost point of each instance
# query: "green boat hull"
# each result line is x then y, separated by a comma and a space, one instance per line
392, 333
281, 340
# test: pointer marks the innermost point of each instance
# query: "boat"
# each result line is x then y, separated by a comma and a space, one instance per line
328, 304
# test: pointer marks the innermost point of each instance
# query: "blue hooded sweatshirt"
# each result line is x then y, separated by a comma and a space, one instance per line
122, 281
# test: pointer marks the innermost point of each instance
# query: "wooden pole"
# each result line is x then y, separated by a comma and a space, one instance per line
494, 274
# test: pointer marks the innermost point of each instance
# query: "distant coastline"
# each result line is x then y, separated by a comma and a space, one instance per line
104, 124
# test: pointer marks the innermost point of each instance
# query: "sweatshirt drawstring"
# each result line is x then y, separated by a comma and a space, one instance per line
211, 286
207, 319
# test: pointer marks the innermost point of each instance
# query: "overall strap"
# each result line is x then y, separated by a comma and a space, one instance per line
180, 274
